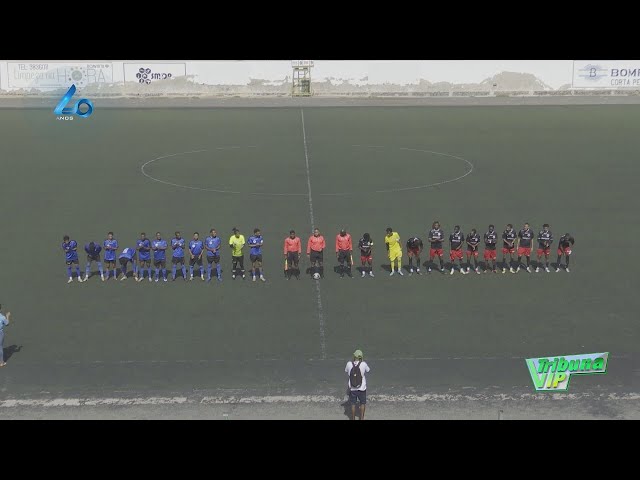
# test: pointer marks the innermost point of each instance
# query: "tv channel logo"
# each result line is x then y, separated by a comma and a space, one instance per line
67, 113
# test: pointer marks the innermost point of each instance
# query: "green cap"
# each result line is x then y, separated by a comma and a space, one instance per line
358, 354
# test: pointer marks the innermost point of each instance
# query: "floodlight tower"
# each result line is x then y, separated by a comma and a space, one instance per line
301, 78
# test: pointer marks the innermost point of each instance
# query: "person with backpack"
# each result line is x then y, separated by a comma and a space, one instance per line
357, 384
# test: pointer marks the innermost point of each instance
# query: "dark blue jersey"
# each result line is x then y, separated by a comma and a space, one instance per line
110, 247
144, 249
70, 250
196, 247
96, 249
255, 242
128, 253
178, 247
212, 245
159, 249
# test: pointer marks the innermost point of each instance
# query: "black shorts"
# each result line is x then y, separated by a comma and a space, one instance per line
358, 395
160, 263
176, 260
124, 261
215, 258
93, 259
147, 261
255, 258
75, 261
315, 256
293, 258
110, 261
195, 260
237, 259
343, 256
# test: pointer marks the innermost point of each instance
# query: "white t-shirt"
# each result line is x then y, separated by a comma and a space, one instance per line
364, 368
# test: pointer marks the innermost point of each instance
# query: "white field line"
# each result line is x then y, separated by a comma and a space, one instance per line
323, 348
317, 399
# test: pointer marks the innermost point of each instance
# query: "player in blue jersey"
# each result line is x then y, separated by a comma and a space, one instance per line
196, 249
177, 244
93, 255
159, 247
255, 243
110, 247
143, 246
212, 246
128, 255
70, 248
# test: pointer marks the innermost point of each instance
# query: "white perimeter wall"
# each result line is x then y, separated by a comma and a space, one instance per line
328, 77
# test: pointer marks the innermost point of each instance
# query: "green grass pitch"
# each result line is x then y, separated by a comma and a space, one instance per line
573, 167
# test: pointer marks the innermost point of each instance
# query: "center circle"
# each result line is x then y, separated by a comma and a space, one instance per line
248, 170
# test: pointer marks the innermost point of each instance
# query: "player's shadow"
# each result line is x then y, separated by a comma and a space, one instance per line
346, 405
10, 350
386, 267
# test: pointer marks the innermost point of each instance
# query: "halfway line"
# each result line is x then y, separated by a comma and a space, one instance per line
313, 222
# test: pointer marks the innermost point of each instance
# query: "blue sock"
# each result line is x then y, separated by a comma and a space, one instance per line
78, 270
257, 272
164, 273
115, 273
218, 268
88, 269
173, 271
201, 271
209, 271
100, 267
157, 273
184, 271
69, 272
191, 270
141, 271
123, 270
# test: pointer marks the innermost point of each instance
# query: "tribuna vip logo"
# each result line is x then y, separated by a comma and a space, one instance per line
553, 374
146, 76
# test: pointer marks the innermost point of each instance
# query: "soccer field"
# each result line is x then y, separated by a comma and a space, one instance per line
362, 168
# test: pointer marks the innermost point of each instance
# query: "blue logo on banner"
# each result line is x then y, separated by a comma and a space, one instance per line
75, 110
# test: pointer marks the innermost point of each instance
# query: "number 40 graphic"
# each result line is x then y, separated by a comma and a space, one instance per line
75, 110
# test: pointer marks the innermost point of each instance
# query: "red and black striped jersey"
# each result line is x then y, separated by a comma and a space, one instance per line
414, 243
566, 241
365, 247
436, 236
456, 239
490, 240
525, 236
473, 240
509, 238
545, 239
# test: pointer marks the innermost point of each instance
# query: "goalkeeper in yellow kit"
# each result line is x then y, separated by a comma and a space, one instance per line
392, 242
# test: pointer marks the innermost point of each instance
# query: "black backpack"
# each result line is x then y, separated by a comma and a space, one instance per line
355, 376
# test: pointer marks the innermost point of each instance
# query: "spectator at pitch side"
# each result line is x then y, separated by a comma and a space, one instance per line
357, 370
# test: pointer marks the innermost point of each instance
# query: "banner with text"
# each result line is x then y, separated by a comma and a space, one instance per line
51, 76
606, 74
147, 73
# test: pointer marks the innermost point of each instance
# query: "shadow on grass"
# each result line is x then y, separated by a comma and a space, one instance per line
10, 350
